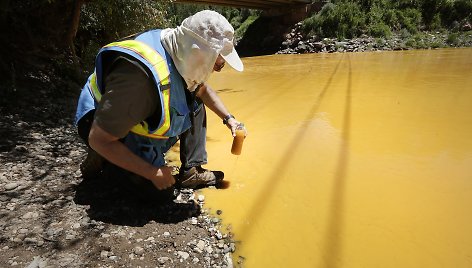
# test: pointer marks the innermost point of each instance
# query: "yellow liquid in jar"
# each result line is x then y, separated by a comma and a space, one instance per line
238, 142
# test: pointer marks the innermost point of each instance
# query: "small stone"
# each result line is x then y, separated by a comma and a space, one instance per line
104, 254
166, 234
184, 255
201, 198
11, 186
30, 240
138, 251
201, 244
37, 262
209, 249
70, 236
228, 260
30, 215
113, 258
196, 260
21, 149
163, 260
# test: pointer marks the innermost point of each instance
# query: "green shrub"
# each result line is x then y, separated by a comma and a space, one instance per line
420, 41
314, 25
241, 30
404, 33
380, 30
453, 39
411, 42
380, 42
409, 19
344, 20
436, 44
390, 18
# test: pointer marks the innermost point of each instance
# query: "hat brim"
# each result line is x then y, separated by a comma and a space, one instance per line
233, 60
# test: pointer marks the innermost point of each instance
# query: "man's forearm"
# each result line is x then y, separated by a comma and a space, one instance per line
212, 101
117, 153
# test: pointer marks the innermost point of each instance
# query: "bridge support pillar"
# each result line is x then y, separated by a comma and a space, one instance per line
266, 34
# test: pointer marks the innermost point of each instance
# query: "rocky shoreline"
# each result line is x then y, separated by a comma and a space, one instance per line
51, 217
297, 43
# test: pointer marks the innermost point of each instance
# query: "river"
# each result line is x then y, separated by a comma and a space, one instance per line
352, 160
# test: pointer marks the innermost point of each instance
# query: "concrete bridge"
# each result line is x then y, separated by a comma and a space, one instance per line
253, 4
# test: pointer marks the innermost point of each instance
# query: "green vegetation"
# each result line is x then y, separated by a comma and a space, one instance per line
381, 18
104, 21
74, 30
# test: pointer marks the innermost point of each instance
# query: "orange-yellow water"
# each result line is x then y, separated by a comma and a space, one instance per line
352, 160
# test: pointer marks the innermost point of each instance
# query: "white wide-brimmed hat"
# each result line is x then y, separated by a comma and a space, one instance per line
214, 30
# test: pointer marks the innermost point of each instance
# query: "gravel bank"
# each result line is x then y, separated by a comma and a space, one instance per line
51, 217
296, 43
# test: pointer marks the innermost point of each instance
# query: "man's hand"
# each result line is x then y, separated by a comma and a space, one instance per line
233, 125
162, 177
117, 153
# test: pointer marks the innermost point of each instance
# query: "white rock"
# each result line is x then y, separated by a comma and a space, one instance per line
11, 186
201, 244
201, 198
38, 262
163, 260
138, 251
228, 260
209, 249
30, 215
184, 255
104, 254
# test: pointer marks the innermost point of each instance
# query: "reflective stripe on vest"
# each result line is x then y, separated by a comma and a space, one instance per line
162, 70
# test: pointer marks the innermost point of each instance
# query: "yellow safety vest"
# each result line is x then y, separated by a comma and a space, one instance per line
161, 69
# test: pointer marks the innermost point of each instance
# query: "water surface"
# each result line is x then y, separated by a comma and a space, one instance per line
352, 160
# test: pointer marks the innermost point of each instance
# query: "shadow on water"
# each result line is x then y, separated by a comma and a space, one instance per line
122, 202
332, 243
281, 168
